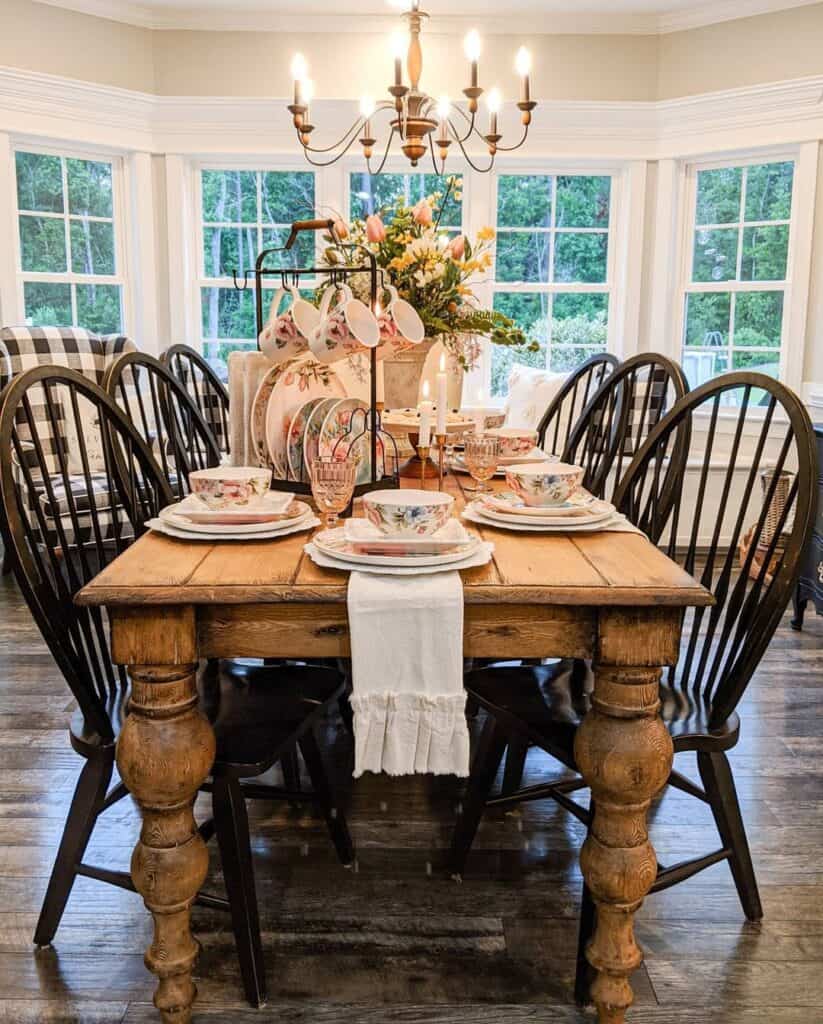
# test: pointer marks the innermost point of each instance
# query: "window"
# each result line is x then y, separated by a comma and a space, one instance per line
242, 213
379, 194
552, 269
737, 270
70, 264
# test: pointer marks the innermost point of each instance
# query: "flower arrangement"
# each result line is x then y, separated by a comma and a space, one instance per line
432, 272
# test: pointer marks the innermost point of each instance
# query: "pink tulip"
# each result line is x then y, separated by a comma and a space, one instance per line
341, 229
375, 228
422, 213
457, 247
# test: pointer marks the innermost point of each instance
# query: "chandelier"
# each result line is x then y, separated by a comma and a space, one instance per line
416, 119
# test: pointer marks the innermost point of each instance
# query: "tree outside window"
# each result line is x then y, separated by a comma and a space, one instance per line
379, 193
552, 268
738, 267
242, 213
68, 255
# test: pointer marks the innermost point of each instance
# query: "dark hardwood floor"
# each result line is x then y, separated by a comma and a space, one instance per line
394, 940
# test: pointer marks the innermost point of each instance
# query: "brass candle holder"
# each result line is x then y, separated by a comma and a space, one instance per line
441, 455
423, 454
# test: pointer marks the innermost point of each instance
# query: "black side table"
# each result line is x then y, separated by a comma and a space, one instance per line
810, 584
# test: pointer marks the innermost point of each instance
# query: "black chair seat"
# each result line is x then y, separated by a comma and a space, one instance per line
258, 714
545, 704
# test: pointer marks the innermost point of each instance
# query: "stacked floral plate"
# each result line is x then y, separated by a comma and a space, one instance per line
359, 544
535, 455
277, 516
581, 513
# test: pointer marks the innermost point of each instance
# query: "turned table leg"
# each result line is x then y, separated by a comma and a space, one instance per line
625, 754
164, 753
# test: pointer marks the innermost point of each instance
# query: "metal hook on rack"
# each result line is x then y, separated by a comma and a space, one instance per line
245, 285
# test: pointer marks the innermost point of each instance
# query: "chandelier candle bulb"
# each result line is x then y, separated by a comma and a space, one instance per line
442, 397
493, 101
299, 72
523, 65
399, 45
472, 48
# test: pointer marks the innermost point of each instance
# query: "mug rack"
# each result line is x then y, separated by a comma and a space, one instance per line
382, 446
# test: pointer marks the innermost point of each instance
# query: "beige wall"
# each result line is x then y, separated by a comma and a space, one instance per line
39, 37
769, 48
788, 44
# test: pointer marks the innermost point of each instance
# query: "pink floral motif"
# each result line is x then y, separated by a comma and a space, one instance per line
375, 228
337, 331
422, 213
388, 328
285, 330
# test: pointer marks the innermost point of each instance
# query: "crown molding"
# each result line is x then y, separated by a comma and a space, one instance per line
147, 16
50, 107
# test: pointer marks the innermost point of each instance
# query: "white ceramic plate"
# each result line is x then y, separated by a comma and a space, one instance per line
164, 526
274, 508
169, 515
314, 426
337, 424
334, 544
474, 514
296, 440
365, 538
257, 424
482, 556
560, 521
512, 504
298, 383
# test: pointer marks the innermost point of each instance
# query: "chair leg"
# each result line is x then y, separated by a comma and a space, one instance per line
85, 806
515, 765
290, 764
232, 828
584, 974
7, 564
484, 769
335, 819
716, 773
346, 713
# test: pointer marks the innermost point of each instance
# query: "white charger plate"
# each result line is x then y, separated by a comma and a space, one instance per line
167, 528
482, 556
513, 504
604, 511
475, 515
334, 544
182, 525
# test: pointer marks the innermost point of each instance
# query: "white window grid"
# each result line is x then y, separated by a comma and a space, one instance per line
260, 226
551, 287
69, 276
734, 286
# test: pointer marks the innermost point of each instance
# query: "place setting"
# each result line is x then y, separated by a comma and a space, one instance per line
402, 532
233, 503
513, 446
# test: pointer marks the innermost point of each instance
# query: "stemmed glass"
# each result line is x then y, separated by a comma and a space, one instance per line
332, 486
482, 455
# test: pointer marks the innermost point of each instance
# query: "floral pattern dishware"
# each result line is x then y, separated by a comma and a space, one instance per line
514, 441
258, 412
297, 384
337, 424
542, 484
314, 428
282, 339
224, 487
296, 441
407, 512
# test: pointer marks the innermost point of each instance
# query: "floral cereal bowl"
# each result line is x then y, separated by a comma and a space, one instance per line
231, 486
514, 441
405, 513
541, 484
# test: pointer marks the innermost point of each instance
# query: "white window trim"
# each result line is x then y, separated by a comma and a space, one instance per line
121, 189
798, 269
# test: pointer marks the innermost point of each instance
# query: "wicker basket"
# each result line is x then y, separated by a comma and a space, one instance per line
770, 526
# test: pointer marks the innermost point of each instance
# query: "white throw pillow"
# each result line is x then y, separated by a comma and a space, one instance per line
530, 393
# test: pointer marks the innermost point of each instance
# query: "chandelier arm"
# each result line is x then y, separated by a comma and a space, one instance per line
472, 164
511, 149
353, 130
434, 161
385, 156
457, 138
334, 159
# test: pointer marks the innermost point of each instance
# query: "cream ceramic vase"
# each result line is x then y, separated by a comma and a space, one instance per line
404, 372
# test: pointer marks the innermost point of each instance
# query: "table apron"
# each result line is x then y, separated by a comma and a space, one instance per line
322, 631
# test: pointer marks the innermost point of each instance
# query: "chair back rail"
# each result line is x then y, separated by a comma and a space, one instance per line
737, 520
204, 387
618, 418
67, 512
165, 416
564, 410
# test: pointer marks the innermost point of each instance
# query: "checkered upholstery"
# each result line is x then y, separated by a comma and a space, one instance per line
21, 349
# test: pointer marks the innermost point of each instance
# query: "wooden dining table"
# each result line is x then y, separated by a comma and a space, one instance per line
611, 597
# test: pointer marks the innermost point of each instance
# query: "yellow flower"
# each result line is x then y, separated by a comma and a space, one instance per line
485, 234
486, 260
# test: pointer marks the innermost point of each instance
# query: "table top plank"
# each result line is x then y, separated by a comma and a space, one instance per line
597, 569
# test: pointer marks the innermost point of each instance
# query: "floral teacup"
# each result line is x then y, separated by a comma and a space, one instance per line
224, 487
541, 484
344, 328
406, 513
286, 334
514, 441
